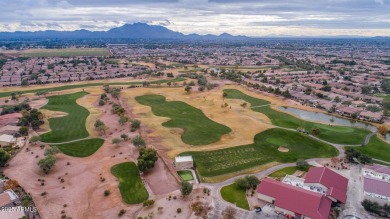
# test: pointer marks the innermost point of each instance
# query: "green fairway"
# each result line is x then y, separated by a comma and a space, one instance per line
66, 52
376, 148
198, 129
262, 151
71, 126
185, 175
130, 185
235, 195
334, 134
82, 148
287, 171
73, 86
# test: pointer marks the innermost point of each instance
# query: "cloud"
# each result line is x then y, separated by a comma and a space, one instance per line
243, 17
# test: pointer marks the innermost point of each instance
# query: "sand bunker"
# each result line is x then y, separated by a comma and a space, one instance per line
283, 149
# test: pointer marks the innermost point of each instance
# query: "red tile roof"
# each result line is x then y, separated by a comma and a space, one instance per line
377, 186
337, 185
295, 199
379, 168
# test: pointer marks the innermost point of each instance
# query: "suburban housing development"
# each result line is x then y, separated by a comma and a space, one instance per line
194, 109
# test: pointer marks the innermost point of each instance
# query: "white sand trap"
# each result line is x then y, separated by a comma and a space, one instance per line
283, 149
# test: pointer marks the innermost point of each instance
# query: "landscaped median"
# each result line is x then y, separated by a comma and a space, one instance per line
334, 134
131, 186
198, 128
264, 150
235, 195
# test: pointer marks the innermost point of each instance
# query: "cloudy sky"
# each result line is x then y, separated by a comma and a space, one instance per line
238, 17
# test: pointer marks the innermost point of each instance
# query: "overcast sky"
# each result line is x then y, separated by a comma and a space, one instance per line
238, 17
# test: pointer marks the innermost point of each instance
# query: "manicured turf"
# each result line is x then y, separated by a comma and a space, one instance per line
198, 129
73, 86
376, 148
262, 151
287, 171
335, 134
185, 175
66, 52
233, 194
82, 148
70, 127
130, 185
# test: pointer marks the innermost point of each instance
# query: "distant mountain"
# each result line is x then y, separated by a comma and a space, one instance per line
127, 31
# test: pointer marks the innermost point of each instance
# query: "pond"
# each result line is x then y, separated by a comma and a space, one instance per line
329, 119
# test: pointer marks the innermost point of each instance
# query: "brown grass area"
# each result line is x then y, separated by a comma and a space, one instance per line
88, 102
244, 128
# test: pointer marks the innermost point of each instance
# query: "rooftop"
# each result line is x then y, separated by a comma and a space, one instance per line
295, 199
183, 159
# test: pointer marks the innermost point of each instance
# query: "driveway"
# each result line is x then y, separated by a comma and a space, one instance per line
355, 193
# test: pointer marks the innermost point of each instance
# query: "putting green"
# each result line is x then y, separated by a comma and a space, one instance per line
185, 175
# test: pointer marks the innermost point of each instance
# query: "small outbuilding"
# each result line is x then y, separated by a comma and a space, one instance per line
183, 162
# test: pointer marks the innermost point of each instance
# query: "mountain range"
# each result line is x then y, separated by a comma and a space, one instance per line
127, 31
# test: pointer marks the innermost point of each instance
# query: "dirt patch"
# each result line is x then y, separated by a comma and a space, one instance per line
283, 149
168, 206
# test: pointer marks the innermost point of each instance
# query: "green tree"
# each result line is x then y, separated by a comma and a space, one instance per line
252, 180
4, 157
146, 159
185, 188
116, 93
51, 151
385, 85
116, 141
122, 120
242, 183
125, 137
47, 163
302, 164
24, 82
98, 123
315, 131
34, 139
23, 130
188, 89
135, 124
138, 141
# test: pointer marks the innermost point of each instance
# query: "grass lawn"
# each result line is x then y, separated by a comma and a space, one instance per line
82, 148
185, 175
262, 151
233, 194
335, 134
198, 129
130, 185
287, 171
73, 86
71, 126
376, 148
66, 52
